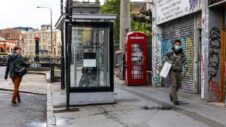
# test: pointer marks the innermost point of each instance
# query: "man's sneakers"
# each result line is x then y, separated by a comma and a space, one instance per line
13, 103
176, 103
171, 99
18, 100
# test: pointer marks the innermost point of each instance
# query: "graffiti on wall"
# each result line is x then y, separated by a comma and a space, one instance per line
214, 62
187, 43
189, 55
205, 31
205, 43
214, 90
156, 59
194, 4
202, 75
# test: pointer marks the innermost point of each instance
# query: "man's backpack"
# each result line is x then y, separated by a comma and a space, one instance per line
19, 68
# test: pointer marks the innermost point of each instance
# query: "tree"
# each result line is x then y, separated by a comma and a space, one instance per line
142, 22
113, 7
139, 22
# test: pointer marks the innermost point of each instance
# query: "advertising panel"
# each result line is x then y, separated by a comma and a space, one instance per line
171, 9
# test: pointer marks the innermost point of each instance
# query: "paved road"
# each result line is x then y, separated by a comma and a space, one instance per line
32, 111
2, 72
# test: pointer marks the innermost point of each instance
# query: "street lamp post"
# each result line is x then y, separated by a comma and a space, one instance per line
51, 39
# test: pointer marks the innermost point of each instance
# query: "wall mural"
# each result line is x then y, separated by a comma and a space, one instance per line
187, 44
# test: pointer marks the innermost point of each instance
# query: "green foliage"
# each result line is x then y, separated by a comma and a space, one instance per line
113, 7
142, 22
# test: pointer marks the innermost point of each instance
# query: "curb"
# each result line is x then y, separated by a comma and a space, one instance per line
51, 120
38, 73
4, 89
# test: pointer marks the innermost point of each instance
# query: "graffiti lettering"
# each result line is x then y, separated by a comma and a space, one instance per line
189, 54
194, 4
203, 68
156, 60
214, 47
214, 90
214, 50
156, 66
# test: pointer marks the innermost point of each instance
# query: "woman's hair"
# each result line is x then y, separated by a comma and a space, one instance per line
17, 48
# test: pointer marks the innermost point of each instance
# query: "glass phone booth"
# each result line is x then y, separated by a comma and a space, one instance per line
90, 66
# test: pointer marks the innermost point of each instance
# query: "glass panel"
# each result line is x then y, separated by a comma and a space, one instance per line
137, 61
90, 62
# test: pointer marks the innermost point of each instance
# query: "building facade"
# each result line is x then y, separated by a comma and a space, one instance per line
44, 42
200, 25
9, 38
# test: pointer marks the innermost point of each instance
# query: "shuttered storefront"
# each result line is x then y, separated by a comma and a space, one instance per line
183, 29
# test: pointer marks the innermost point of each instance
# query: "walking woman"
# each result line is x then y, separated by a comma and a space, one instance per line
16, 69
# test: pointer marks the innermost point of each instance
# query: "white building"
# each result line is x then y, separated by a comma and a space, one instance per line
44, 42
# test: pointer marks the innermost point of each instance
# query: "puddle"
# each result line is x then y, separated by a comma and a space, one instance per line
158, 108
36, 124
64, 121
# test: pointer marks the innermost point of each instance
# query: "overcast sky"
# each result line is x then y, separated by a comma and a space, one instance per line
14, 13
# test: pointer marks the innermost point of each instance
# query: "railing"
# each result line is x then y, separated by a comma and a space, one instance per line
3, 60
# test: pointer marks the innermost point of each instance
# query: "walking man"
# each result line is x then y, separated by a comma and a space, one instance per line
177, 59
16, 69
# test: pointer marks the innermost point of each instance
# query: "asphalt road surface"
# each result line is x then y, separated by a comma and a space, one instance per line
30, 113
2, 72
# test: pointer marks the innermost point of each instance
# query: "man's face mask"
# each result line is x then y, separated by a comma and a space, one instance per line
178, 48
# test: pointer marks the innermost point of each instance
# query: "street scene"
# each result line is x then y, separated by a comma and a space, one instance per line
114, 63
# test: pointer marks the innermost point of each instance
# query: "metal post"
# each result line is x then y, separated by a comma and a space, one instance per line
51, 37
37, 49
52, 60
62, 50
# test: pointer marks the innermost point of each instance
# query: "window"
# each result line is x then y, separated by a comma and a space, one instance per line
89, 64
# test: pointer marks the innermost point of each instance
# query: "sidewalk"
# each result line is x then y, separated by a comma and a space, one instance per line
135, 107
31, 83
31, 112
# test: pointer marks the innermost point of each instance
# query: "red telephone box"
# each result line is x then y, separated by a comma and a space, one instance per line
136, 58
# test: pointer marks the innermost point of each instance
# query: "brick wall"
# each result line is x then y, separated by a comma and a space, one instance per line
10, 34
